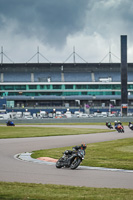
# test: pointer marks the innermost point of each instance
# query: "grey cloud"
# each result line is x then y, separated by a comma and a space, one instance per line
111, 18
52, 21
49, 20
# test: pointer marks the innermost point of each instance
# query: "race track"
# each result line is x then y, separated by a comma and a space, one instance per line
14, 170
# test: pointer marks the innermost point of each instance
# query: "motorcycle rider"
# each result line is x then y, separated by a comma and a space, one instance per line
115, 124
108, 124
120, 123
72, 159
10, 123
83, 146
130, 125
119, 126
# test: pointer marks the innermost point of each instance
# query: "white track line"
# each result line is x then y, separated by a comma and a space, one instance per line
27, 157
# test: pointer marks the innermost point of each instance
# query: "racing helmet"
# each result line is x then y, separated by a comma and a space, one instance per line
83, 146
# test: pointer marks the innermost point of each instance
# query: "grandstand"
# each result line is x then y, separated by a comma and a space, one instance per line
61, 84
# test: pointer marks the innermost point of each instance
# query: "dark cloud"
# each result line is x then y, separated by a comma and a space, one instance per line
111, 18
49, 20
90, 25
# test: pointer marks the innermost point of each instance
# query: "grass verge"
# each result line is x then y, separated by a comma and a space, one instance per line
25, 191
112, 154
22, 132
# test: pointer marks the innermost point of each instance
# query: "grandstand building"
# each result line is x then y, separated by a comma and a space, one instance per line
63, 84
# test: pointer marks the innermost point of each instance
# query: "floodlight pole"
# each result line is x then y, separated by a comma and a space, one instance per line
1, 55
38, 54
74, 54
110, 55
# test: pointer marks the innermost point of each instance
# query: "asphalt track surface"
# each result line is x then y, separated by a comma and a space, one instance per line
14, 170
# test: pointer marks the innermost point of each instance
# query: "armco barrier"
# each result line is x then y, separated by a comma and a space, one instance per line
70, 120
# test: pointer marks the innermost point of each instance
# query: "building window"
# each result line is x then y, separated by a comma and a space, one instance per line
47, 87
20, 87
9, 87
42, 86
81, 87
32, 87
67, 87
57, 87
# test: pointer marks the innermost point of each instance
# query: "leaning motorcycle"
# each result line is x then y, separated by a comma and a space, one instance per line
120, 128
130, 126
72, 159
10, 123
110, 127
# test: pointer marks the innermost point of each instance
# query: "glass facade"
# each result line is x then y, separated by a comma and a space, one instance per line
62, 89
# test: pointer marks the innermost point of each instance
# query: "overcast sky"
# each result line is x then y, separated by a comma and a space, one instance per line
57, 27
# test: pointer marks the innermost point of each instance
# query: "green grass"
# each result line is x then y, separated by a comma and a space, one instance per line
113, 154
21, 132
25, 191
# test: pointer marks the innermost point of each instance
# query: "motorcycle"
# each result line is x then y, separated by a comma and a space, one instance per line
10, 123
109, 125
120, 128
72, 159
130, 126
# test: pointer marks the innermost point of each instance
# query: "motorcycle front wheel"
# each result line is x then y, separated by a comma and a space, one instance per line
75, 163
59, 163
121, 131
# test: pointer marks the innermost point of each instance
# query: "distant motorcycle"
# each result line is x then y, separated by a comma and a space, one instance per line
120, 128
10, 123
72, 159
109, 125
130, 126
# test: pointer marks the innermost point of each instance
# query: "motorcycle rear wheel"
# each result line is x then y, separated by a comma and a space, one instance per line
75, 163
